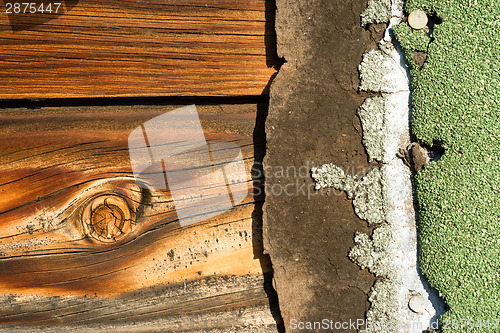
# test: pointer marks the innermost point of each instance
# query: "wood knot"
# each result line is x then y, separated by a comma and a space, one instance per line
108, 218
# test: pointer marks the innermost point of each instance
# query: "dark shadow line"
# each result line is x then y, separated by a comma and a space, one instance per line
258, 176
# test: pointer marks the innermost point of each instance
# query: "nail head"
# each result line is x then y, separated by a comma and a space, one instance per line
417, 19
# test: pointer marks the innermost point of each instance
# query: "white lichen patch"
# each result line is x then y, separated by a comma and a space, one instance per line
380, 73
329, 175
372, 114
385, 121
374, 253
367, 192
384, 313
378, 11
379, 126
368, 199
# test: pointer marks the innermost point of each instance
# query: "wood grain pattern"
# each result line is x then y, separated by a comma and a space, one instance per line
53, 275
129, 48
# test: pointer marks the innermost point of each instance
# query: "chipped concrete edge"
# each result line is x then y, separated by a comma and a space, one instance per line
401, 299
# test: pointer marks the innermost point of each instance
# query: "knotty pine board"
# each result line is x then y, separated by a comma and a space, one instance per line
209, 275
130, 48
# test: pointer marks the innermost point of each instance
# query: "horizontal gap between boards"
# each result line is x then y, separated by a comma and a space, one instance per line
111, 101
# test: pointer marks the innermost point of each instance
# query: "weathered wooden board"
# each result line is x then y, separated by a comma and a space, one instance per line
54, 162
138, 48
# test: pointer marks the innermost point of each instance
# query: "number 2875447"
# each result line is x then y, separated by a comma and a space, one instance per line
32, 7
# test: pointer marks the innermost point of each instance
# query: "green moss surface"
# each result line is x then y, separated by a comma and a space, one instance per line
455, 103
